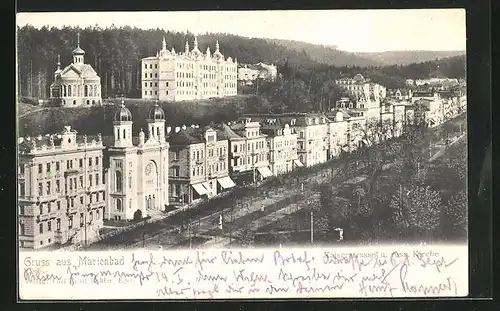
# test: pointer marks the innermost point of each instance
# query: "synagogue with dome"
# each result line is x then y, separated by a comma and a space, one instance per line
77, 84
137, 172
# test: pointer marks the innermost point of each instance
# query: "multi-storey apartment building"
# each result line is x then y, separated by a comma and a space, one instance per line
312, 134
363, 89
61, 194
282, 146
247, 74
198, 165
77, 84
189, 75
248, 150
136, 177
337, 133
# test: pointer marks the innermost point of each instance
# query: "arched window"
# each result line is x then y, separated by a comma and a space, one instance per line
88, 102
86, 91
119, 205
69, 90
74, 102
124, 134
64, 91
119, 181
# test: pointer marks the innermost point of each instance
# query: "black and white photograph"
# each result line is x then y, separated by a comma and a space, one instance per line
161, 131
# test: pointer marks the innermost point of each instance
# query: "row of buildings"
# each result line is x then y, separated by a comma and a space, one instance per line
169, 75
69, 183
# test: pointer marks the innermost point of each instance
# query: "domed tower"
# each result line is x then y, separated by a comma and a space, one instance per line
156, 122
78, 53
122, 127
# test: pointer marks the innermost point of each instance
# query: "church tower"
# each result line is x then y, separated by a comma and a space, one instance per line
156, 123
78, 53
122, 127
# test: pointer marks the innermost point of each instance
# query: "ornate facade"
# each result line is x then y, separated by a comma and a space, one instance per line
61, 192
137, 176
189, 75
77, 84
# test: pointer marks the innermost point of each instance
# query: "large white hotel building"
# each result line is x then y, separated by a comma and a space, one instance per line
189, 75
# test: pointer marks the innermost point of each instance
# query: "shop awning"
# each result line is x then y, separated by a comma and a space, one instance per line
226, 182
200, 189
265, 171
298, 163
206, 184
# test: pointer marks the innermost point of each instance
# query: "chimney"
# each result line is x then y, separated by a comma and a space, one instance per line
177, 129
193, 126
67, 128
39, 137
169, 129
197, 126
20, 140
183, 127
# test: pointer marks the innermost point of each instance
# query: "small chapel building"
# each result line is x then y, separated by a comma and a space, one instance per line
77, 84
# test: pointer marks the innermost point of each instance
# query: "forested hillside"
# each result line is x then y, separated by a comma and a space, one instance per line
115, 54
327, 54
407, 57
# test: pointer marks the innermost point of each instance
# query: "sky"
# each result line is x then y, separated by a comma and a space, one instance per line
349, 30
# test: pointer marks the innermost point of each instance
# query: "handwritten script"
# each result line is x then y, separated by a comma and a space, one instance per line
246, 273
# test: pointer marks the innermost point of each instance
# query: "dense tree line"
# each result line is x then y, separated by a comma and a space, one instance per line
115, 54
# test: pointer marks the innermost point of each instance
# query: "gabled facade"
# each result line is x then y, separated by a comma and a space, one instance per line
199, 164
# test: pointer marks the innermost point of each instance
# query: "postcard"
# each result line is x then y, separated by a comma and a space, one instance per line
242, 154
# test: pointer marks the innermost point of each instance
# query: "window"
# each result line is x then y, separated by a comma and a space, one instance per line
119, 183
58, 204
58, 224
80, 180
81, 200
48, 167
49, 226
90, 161
150, 66
22, 189
48, 187
150, 75
70, 222
40, 168
90, 198
176, 171
57, 166
145, 66
96, 160
156, 76
40, 228
97, 214
145, 75
156, 66
119, 205
40, 188
97, 179
22, 228
90, 180
81, 219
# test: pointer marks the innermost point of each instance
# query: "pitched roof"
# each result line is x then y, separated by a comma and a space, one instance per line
228, 132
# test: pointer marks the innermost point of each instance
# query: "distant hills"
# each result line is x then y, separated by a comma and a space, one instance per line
329, 55
407, 57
